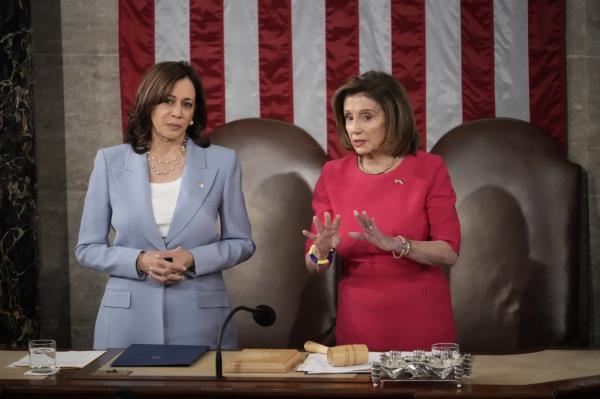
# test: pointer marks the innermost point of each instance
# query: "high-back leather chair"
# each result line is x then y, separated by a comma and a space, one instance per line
280, 165
515, 285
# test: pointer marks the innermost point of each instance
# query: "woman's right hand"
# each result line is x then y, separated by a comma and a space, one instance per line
159, 269
328, 234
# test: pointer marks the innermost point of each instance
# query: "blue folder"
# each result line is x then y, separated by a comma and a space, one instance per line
146, 355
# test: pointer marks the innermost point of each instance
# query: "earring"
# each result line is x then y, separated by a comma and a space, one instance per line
191, 122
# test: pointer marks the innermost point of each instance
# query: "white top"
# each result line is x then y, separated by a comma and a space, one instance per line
164, 198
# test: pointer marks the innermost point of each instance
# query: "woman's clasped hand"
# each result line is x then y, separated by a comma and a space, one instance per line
166, 267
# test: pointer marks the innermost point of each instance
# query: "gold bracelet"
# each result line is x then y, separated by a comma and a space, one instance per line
405, 248
408, 248
137, 263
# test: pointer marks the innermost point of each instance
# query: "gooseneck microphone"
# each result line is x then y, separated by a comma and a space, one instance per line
262, 314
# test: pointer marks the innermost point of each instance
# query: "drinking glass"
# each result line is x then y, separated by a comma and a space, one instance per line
445, 353
42, 356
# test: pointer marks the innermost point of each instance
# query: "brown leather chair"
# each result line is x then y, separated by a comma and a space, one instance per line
515, 286
280, 165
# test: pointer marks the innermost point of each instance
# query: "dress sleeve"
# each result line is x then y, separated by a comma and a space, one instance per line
441, 208
320, 203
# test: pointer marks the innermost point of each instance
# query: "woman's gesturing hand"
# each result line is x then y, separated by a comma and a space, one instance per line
328, 234
371, 233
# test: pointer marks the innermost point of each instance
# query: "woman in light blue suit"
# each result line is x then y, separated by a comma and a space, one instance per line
163, 193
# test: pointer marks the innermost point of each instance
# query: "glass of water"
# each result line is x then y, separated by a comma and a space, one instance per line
42, 356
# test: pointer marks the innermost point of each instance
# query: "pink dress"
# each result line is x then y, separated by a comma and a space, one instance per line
383, 302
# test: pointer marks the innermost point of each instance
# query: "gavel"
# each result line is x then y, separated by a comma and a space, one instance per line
341, 355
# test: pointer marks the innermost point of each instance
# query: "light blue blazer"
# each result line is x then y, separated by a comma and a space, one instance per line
136, 309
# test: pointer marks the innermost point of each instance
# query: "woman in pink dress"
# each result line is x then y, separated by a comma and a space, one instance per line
388, 210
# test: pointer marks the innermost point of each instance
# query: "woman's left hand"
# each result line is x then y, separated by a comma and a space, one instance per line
181, 257
171, 271
371, 233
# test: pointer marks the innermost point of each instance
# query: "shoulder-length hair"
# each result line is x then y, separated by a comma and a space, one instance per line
156, 85
401, 136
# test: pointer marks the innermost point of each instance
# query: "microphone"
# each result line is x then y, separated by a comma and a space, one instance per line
262, 314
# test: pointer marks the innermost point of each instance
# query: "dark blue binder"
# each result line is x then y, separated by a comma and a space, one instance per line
147, 355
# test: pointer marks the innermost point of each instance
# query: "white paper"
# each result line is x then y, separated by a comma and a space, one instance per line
316, 363
70, 359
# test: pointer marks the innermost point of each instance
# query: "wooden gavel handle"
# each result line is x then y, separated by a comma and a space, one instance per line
311, 346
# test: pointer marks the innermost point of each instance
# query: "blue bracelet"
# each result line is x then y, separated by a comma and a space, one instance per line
329, 258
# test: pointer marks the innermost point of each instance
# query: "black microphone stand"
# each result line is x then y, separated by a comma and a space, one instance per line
263, 315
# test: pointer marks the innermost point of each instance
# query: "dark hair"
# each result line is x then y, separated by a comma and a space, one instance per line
155, 87
401, 136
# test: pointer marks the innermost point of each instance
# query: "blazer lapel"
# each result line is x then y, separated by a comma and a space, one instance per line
195, 186
134, 184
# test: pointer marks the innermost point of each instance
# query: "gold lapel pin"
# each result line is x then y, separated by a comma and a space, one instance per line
398, 181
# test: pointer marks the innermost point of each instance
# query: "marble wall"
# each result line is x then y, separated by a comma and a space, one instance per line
77, 112
19, 298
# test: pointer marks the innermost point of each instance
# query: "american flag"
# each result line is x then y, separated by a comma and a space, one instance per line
282, 59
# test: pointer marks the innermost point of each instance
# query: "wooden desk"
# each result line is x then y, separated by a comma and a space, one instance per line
94, 382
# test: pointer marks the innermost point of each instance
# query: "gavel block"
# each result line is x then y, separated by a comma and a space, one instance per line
341, 355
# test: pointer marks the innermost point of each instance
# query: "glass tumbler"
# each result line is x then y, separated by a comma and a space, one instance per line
445, 353
42, 356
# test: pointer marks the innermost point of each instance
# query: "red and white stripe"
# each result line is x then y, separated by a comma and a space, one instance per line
282, 59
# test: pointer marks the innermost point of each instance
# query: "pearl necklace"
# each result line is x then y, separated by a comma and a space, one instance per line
171, 164
385, 168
